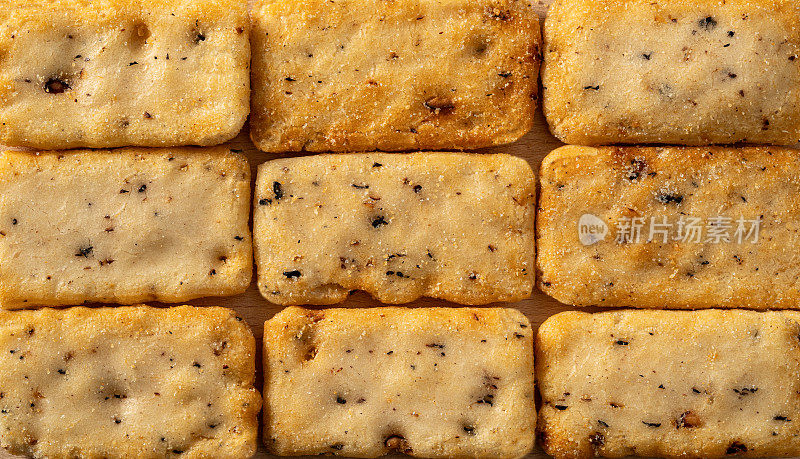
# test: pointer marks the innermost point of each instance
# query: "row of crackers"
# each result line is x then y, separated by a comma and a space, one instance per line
674, 227
363, 75
138, 381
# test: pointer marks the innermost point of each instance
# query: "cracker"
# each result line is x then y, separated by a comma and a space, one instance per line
109, 73
358, 75
428, 382
669, 384
127, 382
690, 72
123, 226
444, 225
717, 227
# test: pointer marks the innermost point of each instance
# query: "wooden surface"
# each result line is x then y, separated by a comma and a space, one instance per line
255, 309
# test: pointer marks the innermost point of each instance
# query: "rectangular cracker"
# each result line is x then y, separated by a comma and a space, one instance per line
360, 75
669, 384
110, 73
690, 72
133, 382
399, 226
123, 226
428, 382
691, 199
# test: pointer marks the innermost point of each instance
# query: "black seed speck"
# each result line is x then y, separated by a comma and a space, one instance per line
379, 221
277, 189
291, 274
707, 23
55, 86
736, 448
666, 198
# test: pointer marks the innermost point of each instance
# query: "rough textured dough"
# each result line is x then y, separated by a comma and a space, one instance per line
429, 382
690, 72
358, 75
127, 382
123, 226
670, 384
110, 73
671, 182
444, 225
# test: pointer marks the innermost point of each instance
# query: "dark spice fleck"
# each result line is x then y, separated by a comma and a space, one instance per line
594, 88
62, 371
637, 167
597, 439
469, 429
560, 407
417, 188
504, 74
238, 238
84, 251
360, 187
688, 419
397, 443
602, 423
264, 201
666, 198
291, 274
781, 418
14, 221
55, 86
647, 56
142, 188
736, 448
652, 424
707, 23
379, 221
620, 342
744, 391
337, 446
439, 105
377, 164
277, 189
340, 400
